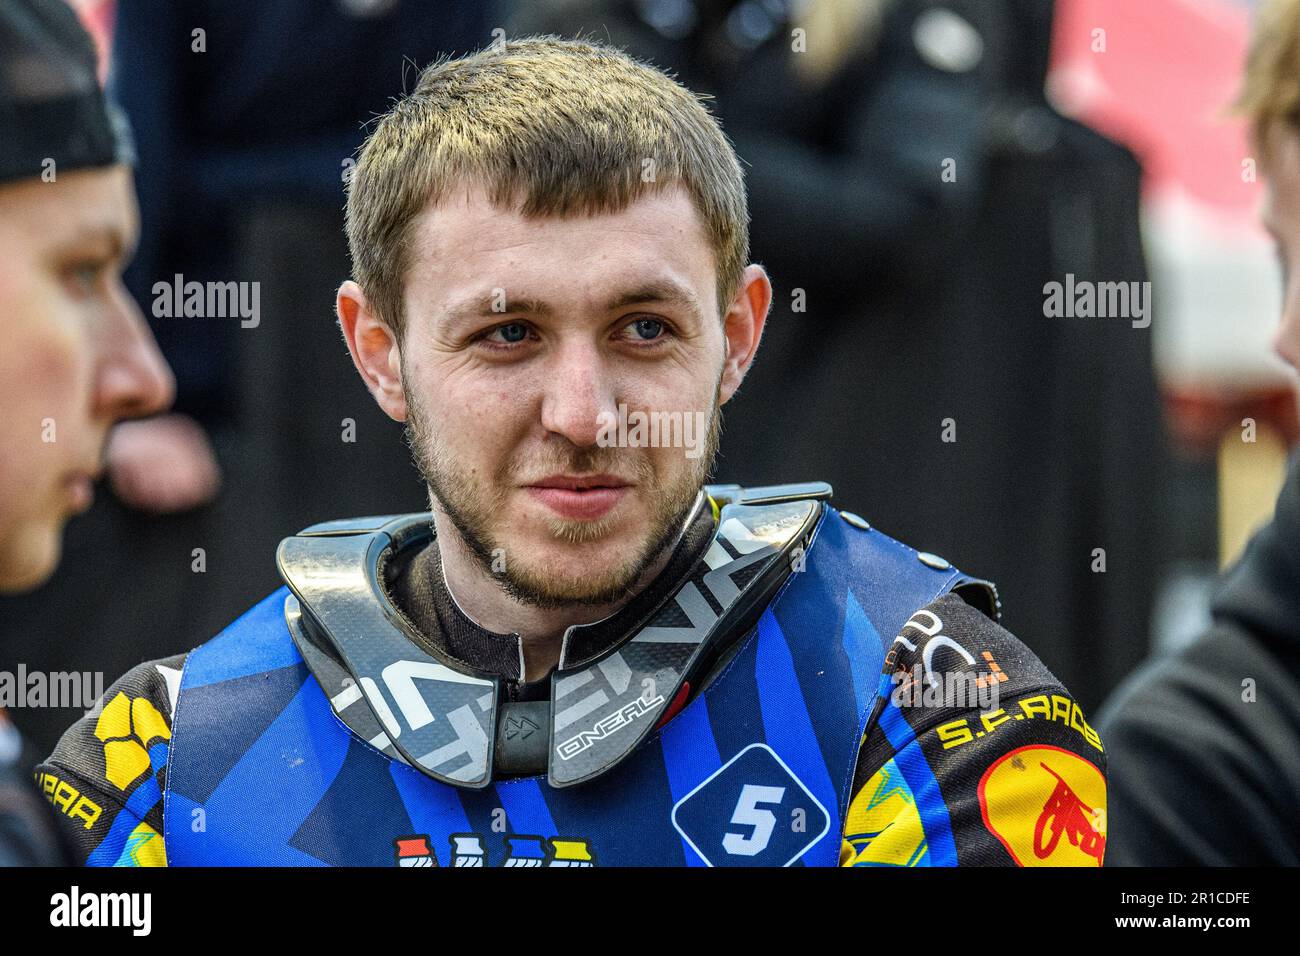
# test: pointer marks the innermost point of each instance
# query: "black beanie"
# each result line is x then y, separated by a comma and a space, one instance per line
51, 103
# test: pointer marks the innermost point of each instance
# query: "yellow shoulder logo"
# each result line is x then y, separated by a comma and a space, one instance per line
1047, 806
127, 727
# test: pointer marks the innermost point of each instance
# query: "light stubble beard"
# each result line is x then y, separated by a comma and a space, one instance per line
472, 505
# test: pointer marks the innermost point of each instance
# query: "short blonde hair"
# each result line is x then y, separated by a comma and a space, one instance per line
1271, 91
552, 127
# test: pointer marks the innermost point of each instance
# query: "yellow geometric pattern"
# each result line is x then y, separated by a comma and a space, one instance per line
127, 727
144, 847
571, 850
883, 827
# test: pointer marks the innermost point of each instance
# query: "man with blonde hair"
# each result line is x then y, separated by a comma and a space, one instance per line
1205, 744
583, 654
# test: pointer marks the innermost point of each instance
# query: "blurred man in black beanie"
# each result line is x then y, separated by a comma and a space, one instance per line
76, 355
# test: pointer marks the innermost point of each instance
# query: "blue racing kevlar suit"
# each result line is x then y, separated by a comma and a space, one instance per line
809, 692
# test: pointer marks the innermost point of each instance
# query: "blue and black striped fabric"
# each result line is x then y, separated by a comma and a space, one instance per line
756, 770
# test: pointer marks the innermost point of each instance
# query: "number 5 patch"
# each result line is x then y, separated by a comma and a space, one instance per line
752, 812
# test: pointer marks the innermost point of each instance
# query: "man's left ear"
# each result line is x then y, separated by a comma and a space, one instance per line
743, 328
374, 349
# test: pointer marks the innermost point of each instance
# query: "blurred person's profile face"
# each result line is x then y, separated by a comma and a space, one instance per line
76, 356
524, 341
1281, 217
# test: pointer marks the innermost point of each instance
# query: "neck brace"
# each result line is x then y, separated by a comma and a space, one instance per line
451, 722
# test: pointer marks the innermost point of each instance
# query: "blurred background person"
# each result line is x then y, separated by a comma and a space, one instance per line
75, 354
246, 114
1204, 744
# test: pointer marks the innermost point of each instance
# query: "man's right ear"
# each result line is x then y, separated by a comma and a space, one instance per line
374, 348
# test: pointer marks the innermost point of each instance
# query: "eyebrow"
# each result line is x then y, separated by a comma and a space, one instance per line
657, 290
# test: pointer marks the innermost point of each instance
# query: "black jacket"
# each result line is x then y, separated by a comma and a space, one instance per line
28, 835
1204, 745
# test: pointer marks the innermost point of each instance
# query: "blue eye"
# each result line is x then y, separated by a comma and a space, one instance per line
511, 334
514, 332
648, 328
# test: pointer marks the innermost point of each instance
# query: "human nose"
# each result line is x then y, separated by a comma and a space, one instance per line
580, 396
133, 379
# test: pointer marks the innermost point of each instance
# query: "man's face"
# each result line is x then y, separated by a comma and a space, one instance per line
522, 339
76, 356
1281, 216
